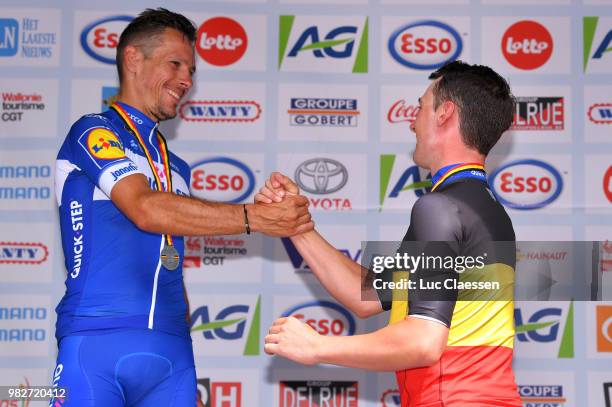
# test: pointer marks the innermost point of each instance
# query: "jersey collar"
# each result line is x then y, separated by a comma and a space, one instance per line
139, 119
453, 172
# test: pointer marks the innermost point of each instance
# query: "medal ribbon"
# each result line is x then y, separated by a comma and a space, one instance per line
456, 169
163, 151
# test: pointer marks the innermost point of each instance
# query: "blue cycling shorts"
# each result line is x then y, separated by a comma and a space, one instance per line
134, 368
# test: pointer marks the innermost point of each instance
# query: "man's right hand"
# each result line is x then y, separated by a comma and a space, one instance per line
277, 187
287, 218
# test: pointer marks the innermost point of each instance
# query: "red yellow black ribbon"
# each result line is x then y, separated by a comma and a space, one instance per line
456, 169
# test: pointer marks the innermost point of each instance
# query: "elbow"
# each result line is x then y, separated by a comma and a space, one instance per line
142, 217
430, 352
366, 309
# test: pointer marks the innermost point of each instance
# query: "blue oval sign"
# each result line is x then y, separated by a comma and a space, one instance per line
221, 179
100, 38
320, 321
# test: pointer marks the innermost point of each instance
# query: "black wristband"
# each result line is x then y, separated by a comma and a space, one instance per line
246, 220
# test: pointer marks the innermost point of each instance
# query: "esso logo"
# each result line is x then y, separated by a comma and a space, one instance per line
221, 41
100, 38
221, 179
425, 45
607, 184
527, 45
325, 317
526, 184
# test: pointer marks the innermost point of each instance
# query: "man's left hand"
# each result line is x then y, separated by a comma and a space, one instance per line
292, 339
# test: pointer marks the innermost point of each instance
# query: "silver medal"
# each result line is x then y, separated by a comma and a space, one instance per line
170, 257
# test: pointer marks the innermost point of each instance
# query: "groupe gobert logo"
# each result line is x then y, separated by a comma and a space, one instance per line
221, 41
104, 144
222, 179
593, 51
411, 179
425, 45
527, 45
325, 317
543, 326
100, 38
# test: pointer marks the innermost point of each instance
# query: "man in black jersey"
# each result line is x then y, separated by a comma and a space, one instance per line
445, 353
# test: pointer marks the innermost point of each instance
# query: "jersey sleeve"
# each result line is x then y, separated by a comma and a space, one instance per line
98, 151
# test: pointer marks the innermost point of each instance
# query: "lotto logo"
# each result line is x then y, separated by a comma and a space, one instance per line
221, 41
527, 45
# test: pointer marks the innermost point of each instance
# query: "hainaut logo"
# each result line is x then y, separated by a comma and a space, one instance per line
221, 179
104, 144
221, 41
323, 44
527, 45
100, 38
539, 113
425, 45
597, 37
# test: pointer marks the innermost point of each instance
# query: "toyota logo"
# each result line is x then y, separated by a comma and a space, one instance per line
321, 176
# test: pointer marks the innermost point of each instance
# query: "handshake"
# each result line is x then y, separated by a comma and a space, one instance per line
279, 209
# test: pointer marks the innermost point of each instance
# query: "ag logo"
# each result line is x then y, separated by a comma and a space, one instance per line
221, 41
104, 144
543, 327
321, 176
527, 45
99, 39
411, 179
597, 44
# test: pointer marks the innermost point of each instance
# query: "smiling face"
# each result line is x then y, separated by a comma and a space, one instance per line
164, 76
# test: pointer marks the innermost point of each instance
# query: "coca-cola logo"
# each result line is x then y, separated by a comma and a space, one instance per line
527, 45
402, 111
221, 41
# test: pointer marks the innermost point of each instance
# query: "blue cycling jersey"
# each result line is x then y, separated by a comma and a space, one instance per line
115, 277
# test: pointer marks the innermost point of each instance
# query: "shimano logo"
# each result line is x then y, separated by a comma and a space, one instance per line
321, 176
76, 218
122, 171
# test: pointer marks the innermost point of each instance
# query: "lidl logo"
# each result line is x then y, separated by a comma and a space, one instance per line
546, 326
104, 144
408, 179
323, 44
597, 38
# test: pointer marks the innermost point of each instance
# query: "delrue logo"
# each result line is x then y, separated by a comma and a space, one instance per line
323, 176
600, 113
425, 45
222, 179
527, 45
391, 398
212, 250
220, 111
16, 104
604, 328
607, 183
325, 317
23, 253
318, 112
539, 113
596, 44
294, 393
221, 41
402, 111
419, 184
316, 42
109, 96
218, 394
300, 265
542, 327
230, 323
526, 184
100, 38
542, 395
26, 39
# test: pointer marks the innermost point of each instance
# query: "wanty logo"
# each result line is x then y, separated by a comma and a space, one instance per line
220, 111
589, 31
222, 179
604, 328
295, 393
527, 45
23, 253
218, 394
526, 184
607, 184
425, 45
419, 184
542, 395
99, 39
325, 317
221, 41
322, 176
539, 113
312, 41
391, 398
600, 113
109, 96
229, 324
9, 37
402, 111
543, 327
301, 266
316, 112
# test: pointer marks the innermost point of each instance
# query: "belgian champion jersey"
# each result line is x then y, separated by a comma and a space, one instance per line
115, 278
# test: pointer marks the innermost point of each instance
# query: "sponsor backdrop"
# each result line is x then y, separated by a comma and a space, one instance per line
324, 91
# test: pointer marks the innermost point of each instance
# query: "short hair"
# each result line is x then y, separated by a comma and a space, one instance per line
483, 98
145, 30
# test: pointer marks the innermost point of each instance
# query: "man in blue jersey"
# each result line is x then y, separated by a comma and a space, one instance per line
124, 206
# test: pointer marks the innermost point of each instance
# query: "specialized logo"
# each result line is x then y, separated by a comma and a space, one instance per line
543, 327
419, 185
294, 393
317, 112
539, 113
301, 266
325, 317
9, 37
104, 144
230, 323
212, 250
100, 38
607, 184
222, 179
527, 45
23, 253
16, 104
221, 41
321, 176
604, 328
391, 398
542, 395
597, 45
425, 45
218, 394
526, 184
109, 96
402, 111
600, 113
220, 111
319, 43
